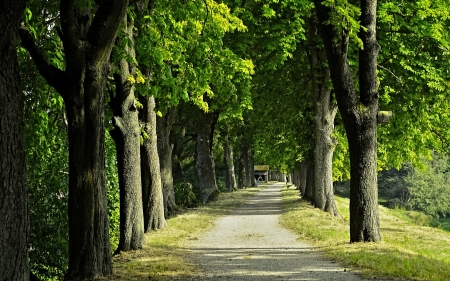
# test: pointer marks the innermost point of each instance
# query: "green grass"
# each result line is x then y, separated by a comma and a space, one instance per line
165, 254
407, 251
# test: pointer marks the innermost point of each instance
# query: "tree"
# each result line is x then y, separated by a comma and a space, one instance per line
87, 35
204, 158
152, 190
324, 112
126, 135
14, 264
228, 159
358, 110
163, 128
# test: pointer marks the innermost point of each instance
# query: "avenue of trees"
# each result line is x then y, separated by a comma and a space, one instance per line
115, 114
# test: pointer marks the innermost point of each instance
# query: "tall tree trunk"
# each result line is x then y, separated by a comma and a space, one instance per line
178, 148
204, 159
324, 113
126, 135
359, 116
251, 167
89, 248
309, 181
228, 159
87, 40
14, 230
241, 171
302, 177
163, 127
152, 192
246, 158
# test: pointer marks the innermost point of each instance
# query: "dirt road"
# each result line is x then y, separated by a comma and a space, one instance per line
250, 244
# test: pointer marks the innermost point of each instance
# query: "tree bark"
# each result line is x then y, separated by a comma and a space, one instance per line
246, 158
178, 148
204, 159
324, 113
14, 230
228, 159
302, 177
87, 40
241, 171
163, 127
251, 167
152, 191
359, 116
309, 181
126, 135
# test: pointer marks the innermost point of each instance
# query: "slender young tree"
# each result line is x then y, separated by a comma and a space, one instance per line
14, 221
87, 34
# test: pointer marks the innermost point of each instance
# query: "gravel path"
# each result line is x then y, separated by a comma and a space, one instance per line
250, 244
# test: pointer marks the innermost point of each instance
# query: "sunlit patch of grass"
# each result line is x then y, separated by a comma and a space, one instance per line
407, 250
165, 254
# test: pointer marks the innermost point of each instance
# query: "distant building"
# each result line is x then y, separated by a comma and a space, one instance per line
262, 173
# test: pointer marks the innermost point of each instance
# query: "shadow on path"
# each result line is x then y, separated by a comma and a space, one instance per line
250, 244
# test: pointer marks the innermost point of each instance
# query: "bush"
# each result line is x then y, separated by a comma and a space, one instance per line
184, 195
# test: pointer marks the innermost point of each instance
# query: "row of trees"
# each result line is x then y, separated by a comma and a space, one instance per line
183, 85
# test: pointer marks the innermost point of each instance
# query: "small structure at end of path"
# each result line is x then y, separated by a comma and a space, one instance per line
261, 173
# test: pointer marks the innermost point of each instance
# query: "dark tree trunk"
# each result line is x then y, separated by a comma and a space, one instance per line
178, 148
87, 40
152, 193
204, 159
14, 224
359, 116
126, 135
251, 167
89, 248
163, 127
246, 158
324, 112
241, 172
309, 182
302, 177
228, 159
296, 175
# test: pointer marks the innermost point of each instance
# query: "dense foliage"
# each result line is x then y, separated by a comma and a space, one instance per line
425, 190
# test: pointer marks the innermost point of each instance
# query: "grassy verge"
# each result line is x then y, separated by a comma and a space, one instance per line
408, 251
165, 254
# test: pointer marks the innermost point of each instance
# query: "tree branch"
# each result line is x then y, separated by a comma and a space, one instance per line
103, 29
442, 138
54, 76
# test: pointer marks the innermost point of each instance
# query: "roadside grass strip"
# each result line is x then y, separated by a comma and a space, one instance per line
407, 251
